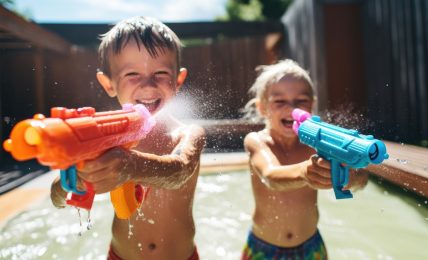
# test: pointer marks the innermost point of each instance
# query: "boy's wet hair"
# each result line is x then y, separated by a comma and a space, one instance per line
272, 74
154, 35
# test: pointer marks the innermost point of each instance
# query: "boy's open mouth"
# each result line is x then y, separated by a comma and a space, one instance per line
287, 123
151, 105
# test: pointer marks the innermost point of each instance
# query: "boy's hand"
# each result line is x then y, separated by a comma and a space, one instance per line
108, 171
58, 195
318, 173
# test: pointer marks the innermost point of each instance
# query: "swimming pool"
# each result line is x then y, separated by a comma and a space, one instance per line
381, 222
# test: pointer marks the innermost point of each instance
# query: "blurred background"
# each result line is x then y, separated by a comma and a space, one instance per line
368, 58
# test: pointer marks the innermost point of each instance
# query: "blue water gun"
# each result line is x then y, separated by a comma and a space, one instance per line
344, 148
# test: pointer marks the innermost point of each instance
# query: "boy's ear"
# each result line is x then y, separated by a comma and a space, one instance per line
106, 84
182, 74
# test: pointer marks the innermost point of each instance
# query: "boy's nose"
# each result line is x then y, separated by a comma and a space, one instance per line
147, 82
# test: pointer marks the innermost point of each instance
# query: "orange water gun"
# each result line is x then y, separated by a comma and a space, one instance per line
71, 136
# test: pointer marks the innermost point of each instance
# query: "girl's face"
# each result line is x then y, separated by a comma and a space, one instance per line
281, 99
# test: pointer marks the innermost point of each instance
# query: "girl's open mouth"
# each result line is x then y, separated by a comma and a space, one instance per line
287, 123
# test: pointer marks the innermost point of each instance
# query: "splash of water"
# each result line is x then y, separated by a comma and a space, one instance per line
130, 227
80, 221
347, 116
88, 221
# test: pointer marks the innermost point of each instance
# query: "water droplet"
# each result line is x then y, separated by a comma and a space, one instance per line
276, 217
151, 221
130, 229
402, 161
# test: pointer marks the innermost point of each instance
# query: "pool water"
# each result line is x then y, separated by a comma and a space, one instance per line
380, 222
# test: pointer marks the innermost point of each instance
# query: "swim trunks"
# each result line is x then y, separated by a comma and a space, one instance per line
257, 249
112, 255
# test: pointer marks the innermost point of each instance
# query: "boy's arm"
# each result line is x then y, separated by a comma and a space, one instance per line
313, 172
170, 171
173, 170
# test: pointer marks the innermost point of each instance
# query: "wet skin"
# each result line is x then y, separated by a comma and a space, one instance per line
284, 174
167, 160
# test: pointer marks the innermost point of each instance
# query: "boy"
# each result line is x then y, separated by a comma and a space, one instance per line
285, 174
140, 64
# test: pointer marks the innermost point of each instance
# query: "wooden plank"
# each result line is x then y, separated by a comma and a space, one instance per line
421, 50
344, 56
413, 114
407, 167
28, 31
39, 80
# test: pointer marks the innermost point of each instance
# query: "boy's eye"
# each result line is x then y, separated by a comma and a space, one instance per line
162, 78
131, 74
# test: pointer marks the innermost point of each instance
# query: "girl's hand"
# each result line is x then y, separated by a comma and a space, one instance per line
318, 173
108, 171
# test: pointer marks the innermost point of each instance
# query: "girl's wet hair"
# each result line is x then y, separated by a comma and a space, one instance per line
272, 74
154, 35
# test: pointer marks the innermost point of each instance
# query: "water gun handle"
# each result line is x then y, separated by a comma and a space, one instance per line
340, 178
80, 199
127, 198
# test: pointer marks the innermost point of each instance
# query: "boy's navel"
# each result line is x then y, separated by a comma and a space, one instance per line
152, 246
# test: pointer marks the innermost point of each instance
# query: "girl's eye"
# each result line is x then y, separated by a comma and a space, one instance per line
301, 102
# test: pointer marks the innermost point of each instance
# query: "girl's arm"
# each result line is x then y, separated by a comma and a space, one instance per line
313, 172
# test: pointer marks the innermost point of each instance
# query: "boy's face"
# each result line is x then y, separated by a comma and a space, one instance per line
138, 78
282, 98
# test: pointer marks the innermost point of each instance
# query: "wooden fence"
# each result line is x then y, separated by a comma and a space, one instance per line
372, 54
396, 44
